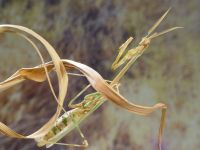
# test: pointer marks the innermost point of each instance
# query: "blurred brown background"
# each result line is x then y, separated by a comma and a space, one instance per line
90, 32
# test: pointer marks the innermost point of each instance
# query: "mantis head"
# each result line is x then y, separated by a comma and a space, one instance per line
145, 42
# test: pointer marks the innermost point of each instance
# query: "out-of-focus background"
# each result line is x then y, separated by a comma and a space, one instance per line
91, 32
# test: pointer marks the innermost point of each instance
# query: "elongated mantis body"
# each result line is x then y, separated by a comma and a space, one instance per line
71, 119
91, 102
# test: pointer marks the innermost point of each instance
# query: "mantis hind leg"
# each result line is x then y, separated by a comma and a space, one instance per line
85, 144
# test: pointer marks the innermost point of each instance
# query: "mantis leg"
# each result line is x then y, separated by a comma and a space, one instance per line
85, 144
75, 74
81, 92
71, 105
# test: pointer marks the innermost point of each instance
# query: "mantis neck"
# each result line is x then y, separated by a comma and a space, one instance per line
116, 80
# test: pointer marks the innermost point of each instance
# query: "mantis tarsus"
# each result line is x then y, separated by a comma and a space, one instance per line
71, 119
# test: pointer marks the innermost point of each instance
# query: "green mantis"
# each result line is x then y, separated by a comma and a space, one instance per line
91, 102
105, 91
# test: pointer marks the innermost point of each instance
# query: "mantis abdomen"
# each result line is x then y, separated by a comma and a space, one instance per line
68, 121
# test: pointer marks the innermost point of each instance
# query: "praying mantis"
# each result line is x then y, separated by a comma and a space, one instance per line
91, 102
106, 90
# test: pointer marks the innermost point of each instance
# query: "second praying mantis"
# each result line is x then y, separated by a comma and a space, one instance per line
72, 118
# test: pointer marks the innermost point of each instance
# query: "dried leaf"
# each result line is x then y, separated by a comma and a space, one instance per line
20, 76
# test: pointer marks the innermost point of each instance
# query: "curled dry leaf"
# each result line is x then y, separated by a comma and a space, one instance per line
34, 75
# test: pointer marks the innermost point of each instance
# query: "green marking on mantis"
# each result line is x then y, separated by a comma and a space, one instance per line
65, 121
90, 99
55, 130
87, 104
